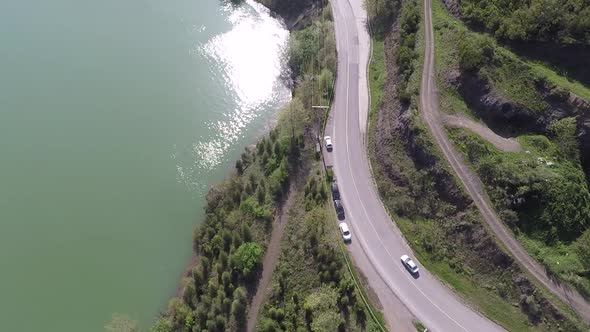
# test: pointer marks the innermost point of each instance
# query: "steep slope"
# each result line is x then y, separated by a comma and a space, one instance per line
481, 79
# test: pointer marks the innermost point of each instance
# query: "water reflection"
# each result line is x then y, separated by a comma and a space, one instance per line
251, 57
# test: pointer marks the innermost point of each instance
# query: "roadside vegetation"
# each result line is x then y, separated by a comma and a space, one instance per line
312, 288
439, 220
541, 192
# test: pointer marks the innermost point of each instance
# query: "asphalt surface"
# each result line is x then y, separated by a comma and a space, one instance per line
377, 244
430, 113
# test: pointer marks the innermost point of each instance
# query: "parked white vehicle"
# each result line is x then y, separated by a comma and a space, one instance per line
409, 264
328, 141
345, 232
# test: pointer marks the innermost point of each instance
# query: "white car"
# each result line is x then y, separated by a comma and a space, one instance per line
409, 264
328, 141
345, 232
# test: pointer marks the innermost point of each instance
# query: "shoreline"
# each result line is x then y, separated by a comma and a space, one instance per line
286, 77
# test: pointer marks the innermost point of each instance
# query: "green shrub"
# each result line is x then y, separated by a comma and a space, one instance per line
251, 207
583, 249
474, 51
162, 325
536, 20
248, 258
380, 13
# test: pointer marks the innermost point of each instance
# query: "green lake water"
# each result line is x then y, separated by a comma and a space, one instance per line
115, 117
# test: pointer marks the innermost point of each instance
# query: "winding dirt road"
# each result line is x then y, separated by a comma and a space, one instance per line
430, 113
501, 143
271, 260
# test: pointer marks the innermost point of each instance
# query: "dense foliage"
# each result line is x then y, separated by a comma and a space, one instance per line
544, 195
406, 54
312, 289
288, 8
583, 249
380, 14
531, 20
475, 51
230, 243
313, 49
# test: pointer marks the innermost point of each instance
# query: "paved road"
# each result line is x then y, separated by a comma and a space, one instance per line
377, 244
430, 113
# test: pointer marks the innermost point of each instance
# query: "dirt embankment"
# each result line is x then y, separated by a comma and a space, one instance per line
508, 119
394, 125
295, 13
408, 171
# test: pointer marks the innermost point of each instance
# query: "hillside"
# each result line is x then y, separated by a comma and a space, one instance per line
553, 32
562, 21
416, 184
541, 192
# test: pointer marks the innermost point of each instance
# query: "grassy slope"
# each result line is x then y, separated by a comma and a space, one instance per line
470, 288
560, 258
511, 76
515, 79
480, 289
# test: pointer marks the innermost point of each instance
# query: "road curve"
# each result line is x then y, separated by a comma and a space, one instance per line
430, 113
377, 244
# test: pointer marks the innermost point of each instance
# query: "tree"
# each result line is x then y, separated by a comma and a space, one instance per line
326, 82
190, 294
564, 131
226, 279
260, 195
583, 249
269, 325
240, 167
121, 323
474, 51
198, 279
246, 233
238, 310
327, 321
162, 325
248, 258
322, 306
380, 13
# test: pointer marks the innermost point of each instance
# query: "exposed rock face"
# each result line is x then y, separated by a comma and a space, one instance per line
296, 13
502, 115
573, 59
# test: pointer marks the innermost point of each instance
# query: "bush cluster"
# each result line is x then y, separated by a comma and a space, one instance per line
322, 296
536, 20
380, 14
406, 53
475, 51
547, 203
229, 244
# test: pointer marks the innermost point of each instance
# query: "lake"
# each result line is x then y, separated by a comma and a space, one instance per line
115, 118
